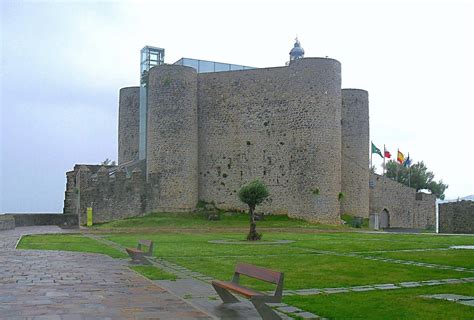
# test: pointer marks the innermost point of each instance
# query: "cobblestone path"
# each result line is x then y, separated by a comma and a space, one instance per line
67, 285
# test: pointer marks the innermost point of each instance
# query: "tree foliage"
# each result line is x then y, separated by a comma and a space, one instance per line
253, 194
417, 176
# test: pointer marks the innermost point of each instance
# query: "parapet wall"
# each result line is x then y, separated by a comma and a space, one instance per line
7, 222
406, 208
111, 196
46, 219
281, 125
456, 217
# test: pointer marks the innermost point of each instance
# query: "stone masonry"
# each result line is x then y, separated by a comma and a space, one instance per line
355, 143
293, 127
128, 124
404, 206
456, 217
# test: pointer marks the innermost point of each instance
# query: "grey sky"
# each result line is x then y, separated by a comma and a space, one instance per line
62, 64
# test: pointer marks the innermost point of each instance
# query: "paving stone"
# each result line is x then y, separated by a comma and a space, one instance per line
409, 284
362, 288
306, 315
450, 297
387, 286
288, 292
451, 280
281, 304
47, 284
431, 282
289, 309
307, 292
335, 290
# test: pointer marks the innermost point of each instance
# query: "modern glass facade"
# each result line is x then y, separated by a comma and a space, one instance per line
149, 57
203, 66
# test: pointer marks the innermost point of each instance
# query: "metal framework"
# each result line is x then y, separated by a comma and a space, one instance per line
149, 57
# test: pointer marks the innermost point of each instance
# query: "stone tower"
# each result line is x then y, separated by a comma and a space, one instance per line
355, 152
128, 130
280, 125
172, 137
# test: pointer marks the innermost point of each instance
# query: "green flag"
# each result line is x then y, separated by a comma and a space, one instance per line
376, 150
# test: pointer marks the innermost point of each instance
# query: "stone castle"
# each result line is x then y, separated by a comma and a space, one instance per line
202, 135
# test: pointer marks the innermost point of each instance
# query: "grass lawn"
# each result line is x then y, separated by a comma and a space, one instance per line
318, 271
387, 305
68, 242
304, 267
153, 273
191, 220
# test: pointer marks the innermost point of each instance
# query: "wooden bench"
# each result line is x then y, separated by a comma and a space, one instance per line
138, 255
258, 299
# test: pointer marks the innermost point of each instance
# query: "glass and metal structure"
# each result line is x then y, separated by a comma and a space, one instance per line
203, 66
149, 57
297, 52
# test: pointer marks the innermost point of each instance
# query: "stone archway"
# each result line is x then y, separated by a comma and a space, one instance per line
384, 220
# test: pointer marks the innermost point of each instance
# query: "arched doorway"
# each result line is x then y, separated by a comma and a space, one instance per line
384, 221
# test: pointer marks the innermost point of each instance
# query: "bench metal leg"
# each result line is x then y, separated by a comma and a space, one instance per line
139, 259
225, 295
265, 311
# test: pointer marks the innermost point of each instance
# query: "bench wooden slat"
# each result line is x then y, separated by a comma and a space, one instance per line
258, 273
133, 250
246, 292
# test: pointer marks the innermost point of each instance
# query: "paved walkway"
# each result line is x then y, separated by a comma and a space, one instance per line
67, 285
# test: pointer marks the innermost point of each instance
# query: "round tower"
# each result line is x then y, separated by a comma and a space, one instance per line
128, 124
315, 130
355, 152
172, 139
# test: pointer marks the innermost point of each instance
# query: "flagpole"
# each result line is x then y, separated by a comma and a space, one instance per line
397, 164
371, 143
409, 171
383, 169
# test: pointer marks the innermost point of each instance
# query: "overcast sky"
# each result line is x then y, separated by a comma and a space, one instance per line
63, 63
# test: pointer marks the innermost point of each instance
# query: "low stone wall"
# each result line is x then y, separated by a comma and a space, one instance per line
456, 217
111, 196
7, 222
44, 219
399, 206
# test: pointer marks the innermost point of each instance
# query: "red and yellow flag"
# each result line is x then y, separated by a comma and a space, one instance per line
400, 157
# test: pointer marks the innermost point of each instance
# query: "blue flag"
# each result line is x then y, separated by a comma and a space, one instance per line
407, 162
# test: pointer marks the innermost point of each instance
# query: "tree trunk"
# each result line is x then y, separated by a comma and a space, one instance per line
253, 235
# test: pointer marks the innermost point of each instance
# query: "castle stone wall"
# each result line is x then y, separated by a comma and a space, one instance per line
172, 137
111, 197
44, 219
406, 207
456, 217
355, 152
7, 222
128, 136
282, 125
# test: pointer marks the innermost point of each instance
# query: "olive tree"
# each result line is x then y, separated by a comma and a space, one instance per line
253, 194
